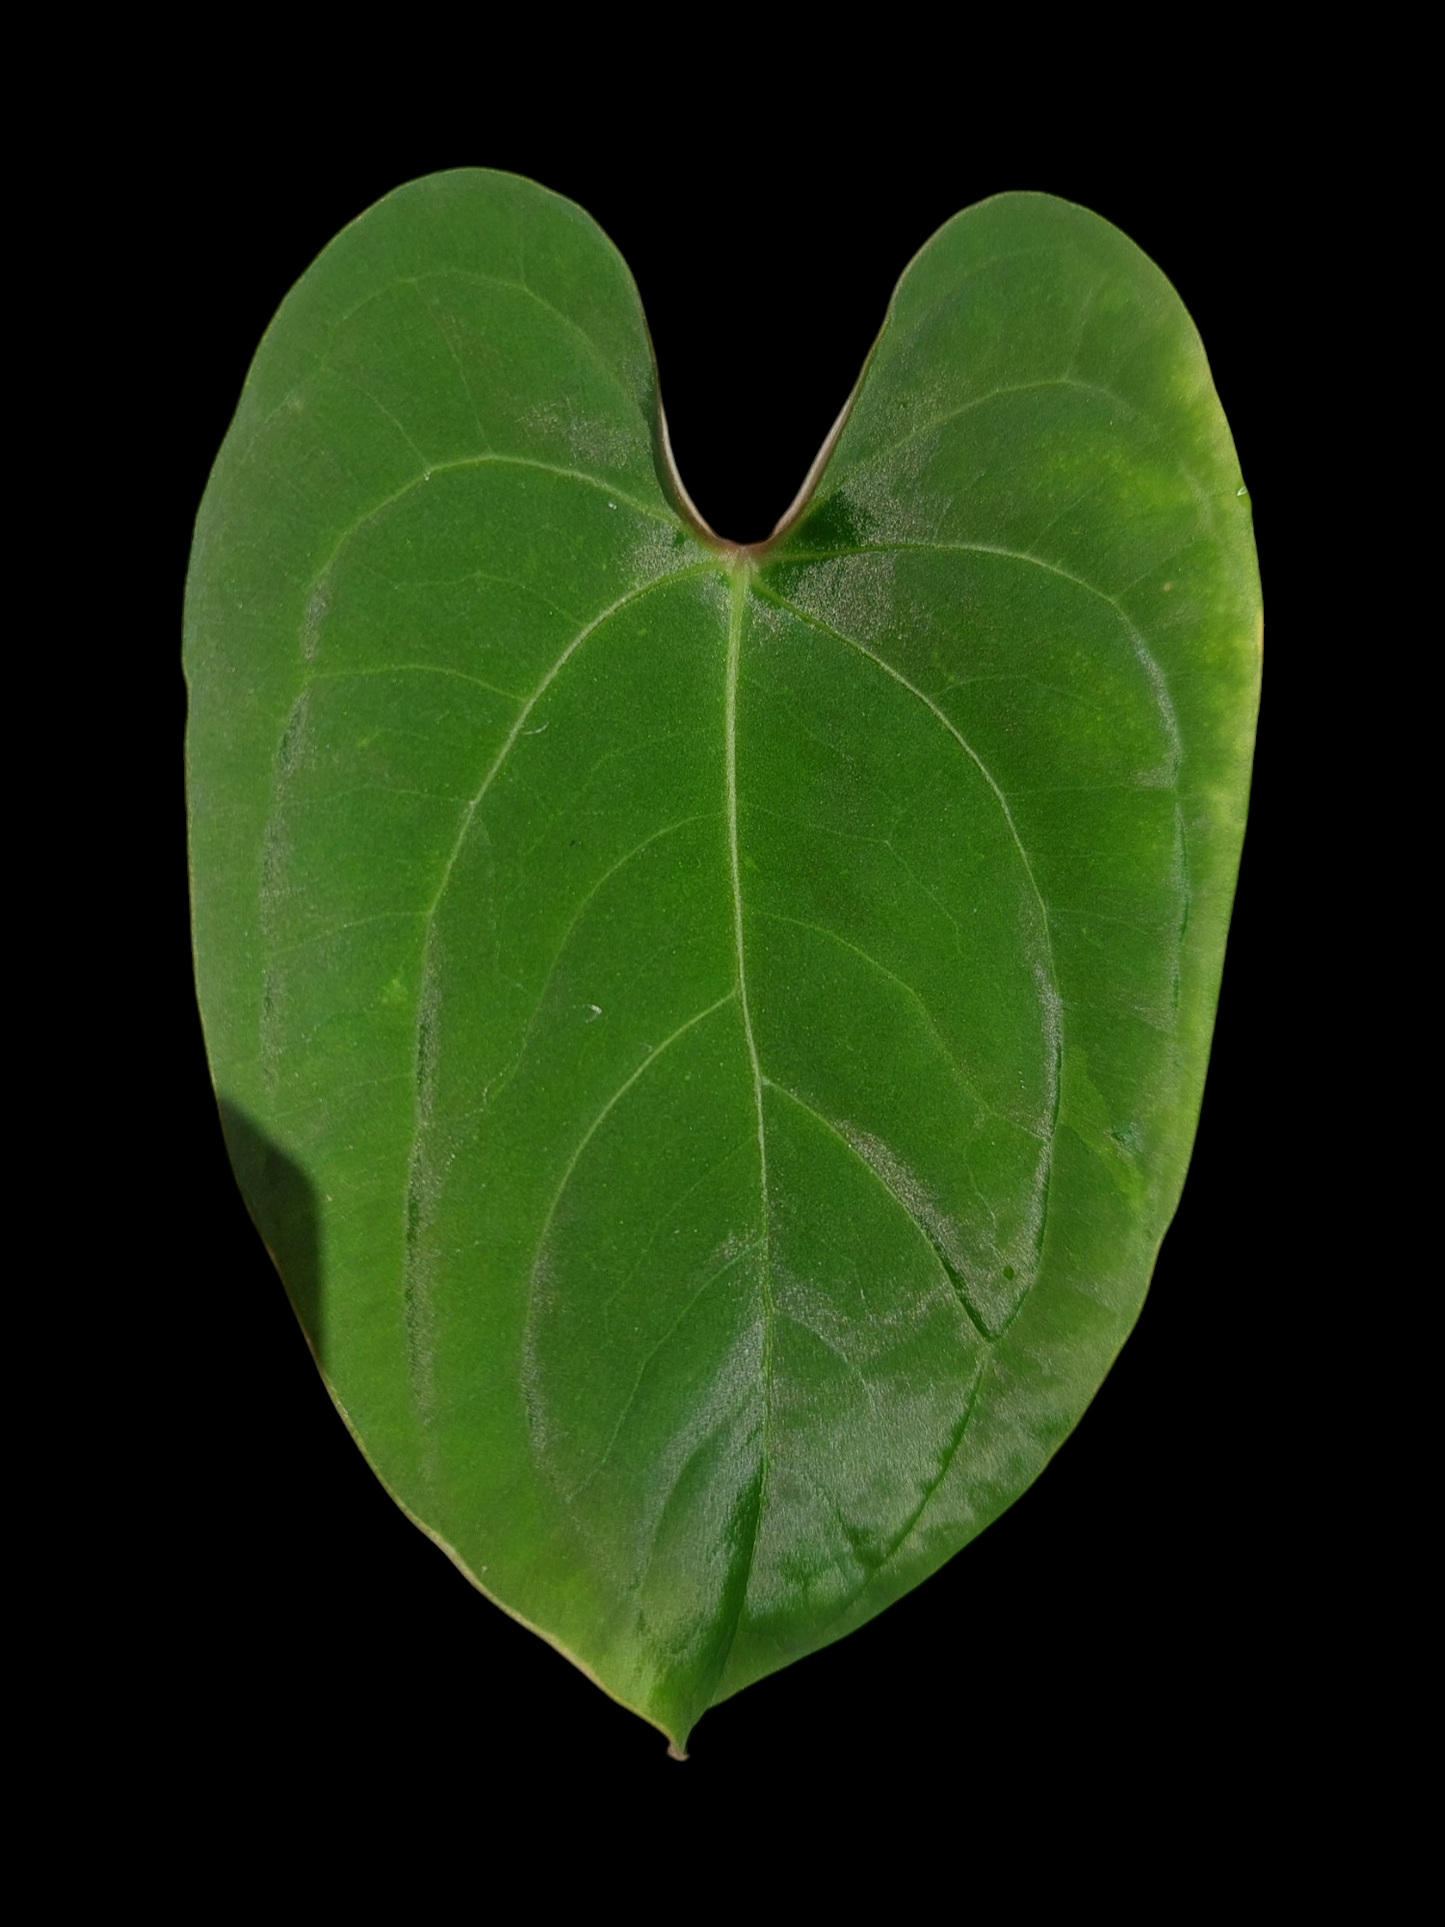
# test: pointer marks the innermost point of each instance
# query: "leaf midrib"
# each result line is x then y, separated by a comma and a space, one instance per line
741, 577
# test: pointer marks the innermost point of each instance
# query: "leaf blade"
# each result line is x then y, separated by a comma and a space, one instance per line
613, 862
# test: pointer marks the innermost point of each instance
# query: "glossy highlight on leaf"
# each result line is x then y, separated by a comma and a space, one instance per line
741, 1013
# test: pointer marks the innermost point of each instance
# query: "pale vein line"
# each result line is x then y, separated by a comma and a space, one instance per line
854, 1536
739, 591
819, 829
455, 580
711, 1279
409, 669
483, 461
450, 347
454, 272
613, 375
1148, 662
802, 923
351, 382
1014, 388
1047, 978
326, 933
930, 1491
731, 763
848, 1364
827, 629
387, 789
949, 1455
663, 1219
668, 829
1081, 323
928, 315
1087, 915
509, 741
592, 1129
948, 1269
420, 1105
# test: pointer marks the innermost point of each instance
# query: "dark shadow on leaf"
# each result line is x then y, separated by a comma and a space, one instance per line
282, 1202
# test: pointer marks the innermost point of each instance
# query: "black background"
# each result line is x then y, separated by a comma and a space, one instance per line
1132, 1590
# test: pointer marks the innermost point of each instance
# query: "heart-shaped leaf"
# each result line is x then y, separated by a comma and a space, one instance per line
712, 1037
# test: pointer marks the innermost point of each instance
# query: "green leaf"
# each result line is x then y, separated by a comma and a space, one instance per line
712, 1037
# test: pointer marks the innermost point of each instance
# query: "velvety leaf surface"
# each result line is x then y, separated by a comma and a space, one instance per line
740, 1016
